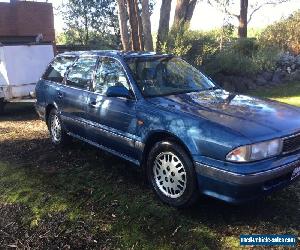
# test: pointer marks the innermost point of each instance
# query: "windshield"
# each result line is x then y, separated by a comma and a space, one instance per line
161, 76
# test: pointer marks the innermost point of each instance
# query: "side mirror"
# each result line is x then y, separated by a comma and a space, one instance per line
118, 91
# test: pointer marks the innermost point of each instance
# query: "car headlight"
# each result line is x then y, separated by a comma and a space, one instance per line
257, 151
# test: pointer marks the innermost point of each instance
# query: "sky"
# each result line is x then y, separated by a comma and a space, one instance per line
206, 17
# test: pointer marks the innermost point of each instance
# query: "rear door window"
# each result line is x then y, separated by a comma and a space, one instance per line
57, 69
82, 72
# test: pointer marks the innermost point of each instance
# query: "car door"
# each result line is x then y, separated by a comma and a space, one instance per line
53, 80
112, 120
74, 96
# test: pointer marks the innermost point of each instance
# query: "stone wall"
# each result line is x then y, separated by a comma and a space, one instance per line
287, 70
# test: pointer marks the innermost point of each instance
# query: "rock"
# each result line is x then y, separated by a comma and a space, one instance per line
242, 83
251, 85
267, 75
297, 61
286, 59
248, 82
277, 77
294, 76
260, 80
241, 88
229, 86
236, 83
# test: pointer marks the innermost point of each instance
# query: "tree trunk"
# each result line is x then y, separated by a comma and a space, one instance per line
123, 24
243, 19
140, 25
180, 11
184, 12
190, 11
164, 21
147, 26
86, 30
141, 33
133, 20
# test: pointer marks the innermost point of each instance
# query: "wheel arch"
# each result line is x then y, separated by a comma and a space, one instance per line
157, 136
49, 107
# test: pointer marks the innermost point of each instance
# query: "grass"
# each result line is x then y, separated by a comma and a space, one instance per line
289, 93
80, 197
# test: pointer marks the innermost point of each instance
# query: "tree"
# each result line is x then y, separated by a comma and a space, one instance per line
183, 13
284, 34
243, 19
138, 29
246, 11
164, 21
147, 25
140, 25
89, 19
133, 20
123, 17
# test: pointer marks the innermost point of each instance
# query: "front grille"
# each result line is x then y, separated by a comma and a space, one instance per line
291, 143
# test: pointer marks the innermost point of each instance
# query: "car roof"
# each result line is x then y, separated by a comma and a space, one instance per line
114, 53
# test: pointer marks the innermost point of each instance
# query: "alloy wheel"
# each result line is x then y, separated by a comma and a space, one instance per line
169, 174
56, 129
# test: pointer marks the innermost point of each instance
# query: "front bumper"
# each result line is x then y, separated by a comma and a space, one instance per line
240, 187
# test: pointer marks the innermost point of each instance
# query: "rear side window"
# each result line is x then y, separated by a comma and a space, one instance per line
81, 73
57, 69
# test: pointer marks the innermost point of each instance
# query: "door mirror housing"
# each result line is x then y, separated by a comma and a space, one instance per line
118, 91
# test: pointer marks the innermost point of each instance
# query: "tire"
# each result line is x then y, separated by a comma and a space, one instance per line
171, 173
57, 133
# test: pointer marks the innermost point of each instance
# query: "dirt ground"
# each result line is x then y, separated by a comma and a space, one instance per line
82, 198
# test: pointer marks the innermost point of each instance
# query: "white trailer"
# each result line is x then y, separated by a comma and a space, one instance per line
21, 66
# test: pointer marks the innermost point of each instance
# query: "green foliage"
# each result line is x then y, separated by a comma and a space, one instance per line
285, 34
242, 57
95, 41
254, 32
90, 22
194, 46
229, 62
245, 46
266, 58
218, 51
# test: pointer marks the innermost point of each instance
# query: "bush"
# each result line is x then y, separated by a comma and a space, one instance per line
236, 57
284, 34
243, 57
194, 46
245, 46
230, 63
266, 58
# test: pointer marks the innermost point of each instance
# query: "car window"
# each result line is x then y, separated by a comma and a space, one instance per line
81, 74
109, 73
167, 75
57, 69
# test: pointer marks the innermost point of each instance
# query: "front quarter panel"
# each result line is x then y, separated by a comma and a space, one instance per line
200, 136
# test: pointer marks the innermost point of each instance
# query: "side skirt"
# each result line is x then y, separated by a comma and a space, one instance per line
134, 161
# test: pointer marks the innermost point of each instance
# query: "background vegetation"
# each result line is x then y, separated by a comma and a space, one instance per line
220, 51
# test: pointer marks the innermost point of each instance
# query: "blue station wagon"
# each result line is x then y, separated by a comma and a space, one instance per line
188, 135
